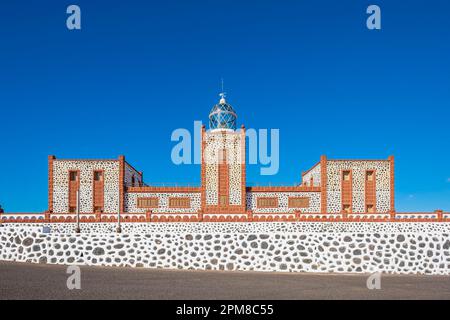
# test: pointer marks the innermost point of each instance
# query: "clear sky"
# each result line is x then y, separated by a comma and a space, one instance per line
137, 70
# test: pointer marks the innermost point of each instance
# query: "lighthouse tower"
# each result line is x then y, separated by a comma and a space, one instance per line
223, 162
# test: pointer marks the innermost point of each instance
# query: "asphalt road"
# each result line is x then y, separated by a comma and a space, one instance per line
38, 281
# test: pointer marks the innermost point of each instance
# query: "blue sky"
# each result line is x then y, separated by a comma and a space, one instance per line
140, 69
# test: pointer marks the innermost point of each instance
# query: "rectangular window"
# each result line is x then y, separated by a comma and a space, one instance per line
148, 202
98, 176
179, 202
370, 191
346, 191
346, 175
73, 176
98, 195
370, 175
267, 202
74, 186
298, 202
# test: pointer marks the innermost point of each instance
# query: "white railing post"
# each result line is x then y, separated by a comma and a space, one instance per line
119, 229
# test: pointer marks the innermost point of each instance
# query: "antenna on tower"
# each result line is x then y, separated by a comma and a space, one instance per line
222, 94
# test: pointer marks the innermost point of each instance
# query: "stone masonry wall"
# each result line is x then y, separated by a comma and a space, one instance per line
289, 247
61, 170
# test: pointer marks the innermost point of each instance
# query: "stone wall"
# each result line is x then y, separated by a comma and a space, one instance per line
215, 143
314, 174
86, 168
358, 169
289, 247
130, 172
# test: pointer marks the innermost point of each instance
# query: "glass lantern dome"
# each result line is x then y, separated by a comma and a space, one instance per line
222, 116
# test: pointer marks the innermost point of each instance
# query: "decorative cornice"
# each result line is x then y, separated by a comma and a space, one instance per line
163, 189
299, 188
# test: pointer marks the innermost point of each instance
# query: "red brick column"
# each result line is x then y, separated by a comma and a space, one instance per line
344, 215
203, 170
440, 215
347, 191
392, 215
223, 178
148, 216
50, 182
323, 184
243, 171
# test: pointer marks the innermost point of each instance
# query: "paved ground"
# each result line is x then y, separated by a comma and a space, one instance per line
37, 281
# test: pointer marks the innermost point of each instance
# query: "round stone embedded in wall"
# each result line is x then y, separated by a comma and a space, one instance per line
27, 242
98, 251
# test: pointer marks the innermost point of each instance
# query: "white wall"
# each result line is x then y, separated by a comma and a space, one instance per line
358, 167
421, 248
61, 170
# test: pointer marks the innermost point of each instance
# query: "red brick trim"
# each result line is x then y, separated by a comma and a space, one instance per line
194, 217
350, 190
370, 194
305, 199
147, 198
203, 170
371, 160
323, 184
71, 190
94, 194
89, 160
186, 200
262, 199
243, 168
230, 209
440, 214
155, 189
299, 188
51, 158
392, 185
223, 178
